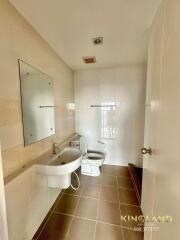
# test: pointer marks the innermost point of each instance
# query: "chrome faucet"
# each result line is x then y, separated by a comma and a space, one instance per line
55, 148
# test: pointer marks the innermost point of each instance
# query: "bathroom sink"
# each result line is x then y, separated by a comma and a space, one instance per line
59, 167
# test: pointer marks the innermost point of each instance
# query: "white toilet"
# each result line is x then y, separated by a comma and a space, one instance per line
92, 159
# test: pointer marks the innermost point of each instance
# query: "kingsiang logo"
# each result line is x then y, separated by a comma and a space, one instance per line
147, 223
141, 219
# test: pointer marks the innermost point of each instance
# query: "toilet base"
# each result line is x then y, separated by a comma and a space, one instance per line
90, 170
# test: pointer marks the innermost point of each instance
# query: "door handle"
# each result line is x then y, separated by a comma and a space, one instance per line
146, 151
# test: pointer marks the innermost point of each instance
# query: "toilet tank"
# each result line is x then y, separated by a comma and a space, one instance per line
75, 142
80, 143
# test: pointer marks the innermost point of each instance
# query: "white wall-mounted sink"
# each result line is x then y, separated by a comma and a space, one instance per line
59, 167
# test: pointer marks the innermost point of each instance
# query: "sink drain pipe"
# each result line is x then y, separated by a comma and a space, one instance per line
76, 188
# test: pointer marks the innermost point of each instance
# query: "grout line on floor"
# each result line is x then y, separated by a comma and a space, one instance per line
135, 187
97, 184
58, 200
132, 205
72, 194
92, 220
124, 188
124, 177
97, 213
82, 196
70, 215
73, 216
119, 206
51, 212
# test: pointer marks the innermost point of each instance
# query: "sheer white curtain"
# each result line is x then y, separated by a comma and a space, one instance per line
107, 121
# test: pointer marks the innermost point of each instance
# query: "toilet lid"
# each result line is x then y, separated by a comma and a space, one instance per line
83, 145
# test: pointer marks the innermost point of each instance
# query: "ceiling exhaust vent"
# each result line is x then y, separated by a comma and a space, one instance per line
98, 40
89, 60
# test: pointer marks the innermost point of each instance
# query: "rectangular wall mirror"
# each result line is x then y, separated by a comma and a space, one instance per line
37, 100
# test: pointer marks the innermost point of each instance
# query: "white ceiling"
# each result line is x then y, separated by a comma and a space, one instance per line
69, 26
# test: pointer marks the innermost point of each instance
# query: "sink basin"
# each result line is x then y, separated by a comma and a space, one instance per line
60, 167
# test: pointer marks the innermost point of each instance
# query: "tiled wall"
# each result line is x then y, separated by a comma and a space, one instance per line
32, 199
20, 40
125, 87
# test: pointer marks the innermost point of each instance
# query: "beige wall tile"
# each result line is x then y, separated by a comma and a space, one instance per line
20, 41
10, 112
11, 136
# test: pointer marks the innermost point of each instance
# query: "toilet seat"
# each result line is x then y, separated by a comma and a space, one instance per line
94, 156
91, 161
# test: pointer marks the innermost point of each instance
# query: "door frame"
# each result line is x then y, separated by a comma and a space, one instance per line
3, 214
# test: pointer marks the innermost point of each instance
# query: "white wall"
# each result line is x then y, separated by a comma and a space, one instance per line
125, 86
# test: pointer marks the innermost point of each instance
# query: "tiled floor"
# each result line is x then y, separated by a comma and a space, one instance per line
95, 211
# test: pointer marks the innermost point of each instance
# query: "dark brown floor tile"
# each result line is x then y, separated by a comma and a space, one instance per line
57, 200
132, 235
82, 178
42, 225
109, 212
67, 204
129, 216
81, 229
128, 196
75, 192
108, 232
94, 180
78, 171
122, 171
87, 207
109, 194
109, 181
109, 170
124, 183
91, 190
56, 228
